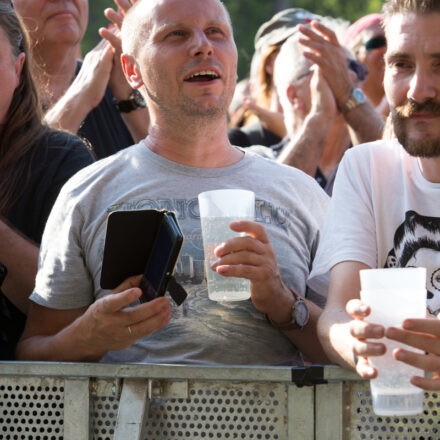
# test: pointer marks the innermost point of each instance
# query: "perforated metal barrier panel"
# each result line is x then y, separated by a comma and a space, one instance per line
138, 402
366, 425
213, 411
31, 408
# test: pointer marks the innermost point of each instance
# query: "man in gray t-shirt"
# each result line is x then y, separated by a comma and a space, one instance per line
185, 68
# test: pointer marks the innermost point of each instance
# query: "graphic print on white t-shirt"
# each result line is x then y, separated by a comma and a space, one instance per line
417, 244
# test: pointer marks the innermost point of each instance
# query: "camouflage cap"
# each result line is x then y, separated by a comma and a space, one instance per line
281, 26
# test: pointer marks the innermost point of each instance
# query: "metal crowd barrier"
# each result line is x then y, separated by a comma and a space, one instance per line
67, 401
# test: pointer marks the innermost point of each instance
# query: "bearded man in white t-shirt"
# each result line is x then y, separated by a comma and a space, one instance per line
385, 210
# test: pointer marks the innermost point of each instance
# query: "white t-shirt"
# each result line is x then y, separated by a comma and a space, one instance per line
289, 204
383, 213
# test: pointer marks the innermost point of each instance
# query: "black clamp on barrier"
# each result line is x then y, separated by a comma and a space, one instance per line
308, 376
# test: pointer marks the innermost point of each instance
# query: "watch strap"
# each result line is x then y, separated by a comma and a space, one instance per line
134, 102
283, 325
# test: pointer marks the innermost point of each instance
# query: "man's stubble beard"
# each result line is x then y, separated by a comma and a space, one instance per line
184, 109
427, 148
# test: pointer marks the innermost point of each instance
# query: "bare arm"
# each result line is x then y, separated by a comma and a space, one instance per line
86, 91
86, 334
20, 256
253, 258
365, 124
304, 151
324, 50
342, 336
270, 120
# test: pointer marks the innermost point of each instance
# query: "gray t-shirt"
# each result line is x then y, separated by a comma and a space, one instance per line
290, 205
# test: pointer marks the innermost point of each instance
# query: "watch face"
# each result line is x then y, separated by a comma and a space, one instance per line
359, 95
301, 313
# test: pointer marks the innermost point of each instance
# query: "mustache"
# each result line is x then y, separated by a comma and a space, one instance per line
412, 107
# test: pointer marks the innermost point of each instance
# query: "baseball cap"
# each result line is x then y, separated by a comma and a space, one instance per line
281, 26
359, 26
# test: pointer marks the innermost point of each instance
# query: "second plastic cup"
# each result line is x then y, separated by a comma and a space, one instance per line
393, 296
217, 210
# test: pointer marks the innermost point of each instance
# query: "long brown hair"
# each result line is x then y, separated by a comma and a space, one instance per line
23, 129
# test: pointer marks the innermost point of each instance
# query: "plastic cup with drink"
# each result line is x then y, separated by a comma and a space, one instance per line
393, 296
217, 210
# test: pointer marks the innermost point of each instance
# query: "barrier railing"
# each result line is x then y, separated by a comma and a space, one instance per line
54, 401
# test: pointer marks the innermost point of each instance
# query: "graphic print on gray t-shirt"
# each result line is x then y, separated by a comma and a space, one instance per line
290, 205
212, 320
417, 244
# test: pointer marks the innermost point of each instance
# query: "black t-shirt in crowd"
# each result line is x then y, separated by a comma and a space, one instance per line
252, 134
59, 157
104, 127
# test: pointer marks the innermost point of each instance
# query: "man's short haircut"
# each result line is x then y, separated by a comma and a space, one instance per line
134, 35
131, 31
421, 7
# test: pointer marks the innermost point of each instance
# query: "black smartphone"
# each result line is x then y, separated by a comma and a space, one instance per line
163, 258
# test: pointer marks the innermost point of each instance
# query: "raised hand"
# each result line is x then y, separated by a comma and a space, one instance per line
325, 51
86, 91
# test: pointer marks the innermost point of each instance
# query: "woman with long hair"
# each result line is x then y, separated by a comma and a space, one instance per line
35, 162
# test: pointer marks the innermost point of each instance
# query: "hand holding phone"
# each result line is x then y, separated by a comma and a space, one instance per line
144, 241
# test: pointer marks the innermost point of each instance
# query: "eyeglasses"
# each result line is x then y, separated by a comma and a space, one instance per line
376, 42
355, 66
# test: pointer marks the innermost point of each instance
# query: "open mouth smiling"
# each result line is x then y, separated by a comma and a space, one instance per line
202, 76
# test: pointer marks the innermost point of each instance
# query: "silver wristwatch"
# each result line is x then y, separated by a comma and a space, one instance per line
299, 316
356, 99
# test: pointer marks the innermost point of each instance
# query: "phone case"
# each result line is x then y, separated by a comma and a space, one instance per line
129, 240
162, 259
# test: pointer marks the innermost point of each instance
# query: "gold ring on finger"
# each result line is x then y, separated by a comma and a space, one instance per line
129, 330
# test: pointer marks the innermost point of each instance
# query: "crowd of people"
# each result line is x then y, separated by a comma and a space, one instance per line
336, 131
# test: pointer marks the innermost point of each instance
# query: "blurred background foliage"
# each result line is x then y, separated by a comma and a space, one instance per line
247, 16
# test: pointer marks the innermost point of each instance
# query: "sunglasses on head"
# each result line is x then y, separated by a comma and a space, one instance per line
376, 42
355, 66
359, 69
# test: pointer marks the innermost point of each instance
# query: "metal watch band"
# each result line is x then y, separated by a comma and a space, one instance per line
355, 99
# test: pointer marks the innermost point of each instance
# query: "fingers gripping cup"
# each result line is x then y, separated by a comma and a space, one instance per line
393, 296
217, 210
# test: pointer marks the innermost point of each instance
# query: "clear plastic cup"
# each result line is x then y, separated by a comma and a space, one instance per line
217, 210
393, 296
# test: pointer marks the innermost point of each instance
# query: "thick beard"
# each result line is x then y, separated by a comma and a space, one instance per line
418, 148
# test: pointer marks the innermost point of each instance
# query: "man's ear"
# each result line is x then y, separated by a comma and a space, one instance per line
291, 93
131, 71
294, 98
